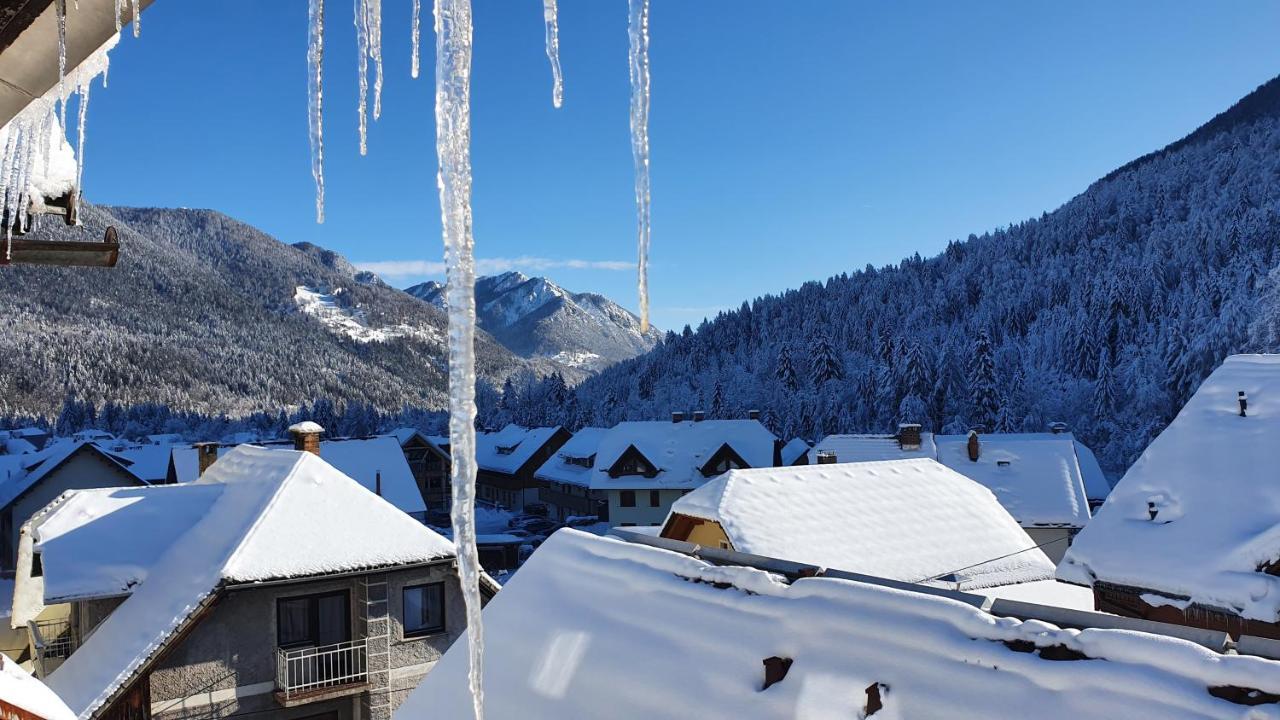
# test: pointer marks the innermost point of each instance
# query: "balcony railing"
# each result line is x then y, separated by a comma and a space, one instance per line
314, 670
54, 641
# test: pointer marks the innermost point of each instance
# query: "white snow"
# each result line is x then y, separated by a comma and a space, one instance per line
1211, 478
1043, 592
908, 520
262, 526
306, 426
638, 32
581, 446
329, 309
870, 448
679, 450
19, 689
549, 16
507, 450
634, 633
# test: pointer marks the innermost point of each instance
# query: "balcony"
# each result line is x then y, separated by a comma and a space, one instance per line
310, 674
54, 641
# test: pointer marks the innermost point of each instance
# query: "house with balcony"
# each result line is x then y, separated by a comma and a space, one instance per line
273, 585
566, 478
643, 467
1191, 533
507, 460
431, 466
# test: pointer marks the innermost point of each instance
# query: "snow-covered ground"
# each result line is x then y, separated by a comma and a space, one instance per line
342, 320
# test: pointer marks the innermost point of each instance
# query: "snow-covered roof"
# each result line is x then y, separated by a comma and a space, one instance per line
306, 426
507, 450
147, 462
794, 450
46, 461
165, 439
908, 520
638, 633
583, 444
1036, 476
265, 524
19, 689
1096, 485
679, 450
1210, 477
361, 459
870, 448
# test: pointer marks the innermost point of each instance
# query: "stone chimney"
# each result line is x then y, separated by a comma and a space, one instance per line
677, 416
909, 436
1244, 402
207, 452
826, 457
753, 414
777, 452
306, 436
699, 416
975, 448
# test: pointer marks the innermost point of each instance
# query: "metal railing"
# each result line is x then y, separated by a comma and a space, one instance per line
54, 641
306, 670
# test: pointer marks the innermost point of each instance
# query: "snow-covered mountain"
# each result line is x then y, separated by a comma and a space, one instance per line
535, 318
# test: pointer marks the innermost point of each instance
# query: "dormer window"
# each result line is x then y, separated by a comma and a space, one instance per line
586, 462
506, 450
722, 461
632, 462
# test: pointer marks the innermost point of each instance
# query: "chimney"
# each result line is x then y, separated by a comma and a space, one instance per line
699, 416
1244, 402
753, 414
777, 452
377, 483
677, 416
207, 452
306, 436
826, 457
974, 446
1057, 428
909, 436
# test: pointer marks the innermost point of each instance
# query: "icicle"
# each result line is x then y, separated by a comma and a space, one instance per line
315, 99
60, 8
553, 51
638, 28
119, 12
84, 111
417, 12
137, 19
375, 53
453, 148
362, 70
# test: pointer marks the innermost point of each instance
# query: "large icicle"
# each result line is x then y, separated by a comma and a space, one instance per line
549, 16
638, 28
84, 113
375, 53
119, 12
417, 35
362, 70
137, 19
453, 149
60, 9
315, 98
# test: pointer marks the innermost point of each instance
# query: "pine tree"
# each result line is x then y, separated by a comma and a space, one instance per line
786, 371
982, 382
824, 363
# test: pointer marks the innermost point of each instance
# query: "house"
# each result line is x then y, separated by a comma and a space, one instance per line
430, 465
566, 478
23, 697
43, 476
1040, 478
378, 463
1191, 533
507, 460
273, 585
38, 437
633, 632
644, 466
914, 521
795, 452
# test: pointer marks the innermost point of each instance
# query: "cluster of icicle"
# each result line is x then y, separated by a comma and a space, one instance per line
638, 28
36, 160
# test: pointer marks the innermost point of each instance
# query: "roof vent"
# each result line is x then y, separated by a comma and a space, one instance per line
1002, 463
826, 457
975, 447
1057, 428
677, 416
753, 414
1244, 402
775, 669
699, 416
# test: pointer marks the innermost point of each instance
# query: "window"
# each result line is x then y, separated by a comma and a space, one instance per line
627, 498
313, 620
423, 609
653, 498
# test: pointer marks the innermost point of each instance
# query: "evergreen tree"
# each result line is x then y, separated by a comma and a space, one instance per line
825, 365
982, 382
785, 371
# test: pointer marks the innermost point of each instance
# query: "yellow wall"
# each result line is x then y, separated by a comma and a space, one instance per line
709, 534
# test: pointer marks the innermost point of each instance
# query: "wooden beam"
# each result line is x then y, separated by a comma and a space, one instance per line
63, 253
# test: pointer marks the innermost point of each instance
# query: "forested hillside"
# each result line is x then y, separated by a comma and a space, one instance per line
1104, 314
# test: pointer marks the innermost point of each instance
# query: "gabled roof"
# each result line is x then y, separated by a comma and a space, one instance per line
647, 633
908, 520
147, 462
794, 450
1211, 479
872, 448
679, 450
278, 514
362, 459
19, 690
507, 450
583, 444
42, 464
1036, 476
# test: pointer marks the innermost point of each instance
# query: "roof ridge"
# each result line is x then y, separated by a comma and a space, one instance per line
265, 509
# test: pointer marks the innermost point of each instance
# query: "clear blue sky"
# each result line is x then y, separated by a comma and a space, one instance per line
790, 140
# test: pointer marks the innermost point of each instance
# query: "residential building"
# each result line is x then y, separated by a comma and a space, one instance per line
566, 478
629, 631
910, 520
795, 452
1040, 478
1191, 533
23, 697
273, 585
430, 465
507, 460
643, 467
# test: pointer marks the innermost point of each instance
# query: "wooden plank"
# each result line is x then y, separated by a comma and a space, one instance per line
60, 253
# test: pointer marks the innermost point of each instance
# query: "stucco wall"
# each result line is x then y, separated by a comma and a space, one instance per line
1055, 550
643, 513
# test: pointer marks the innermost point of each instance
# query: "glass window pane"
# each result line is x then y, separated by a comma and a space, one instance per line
424, 609
292, 625
335, 626
414, 616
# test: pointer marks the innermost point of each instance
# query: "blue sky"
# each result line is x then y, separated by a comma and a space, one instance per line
790, 141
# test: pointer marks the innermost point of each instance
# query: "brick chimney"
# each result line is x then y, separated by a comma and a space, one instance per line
777, 452
207, 452
909, 436
306, 436
677, 416
699, 415
826, 457
753, 414
975, 448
